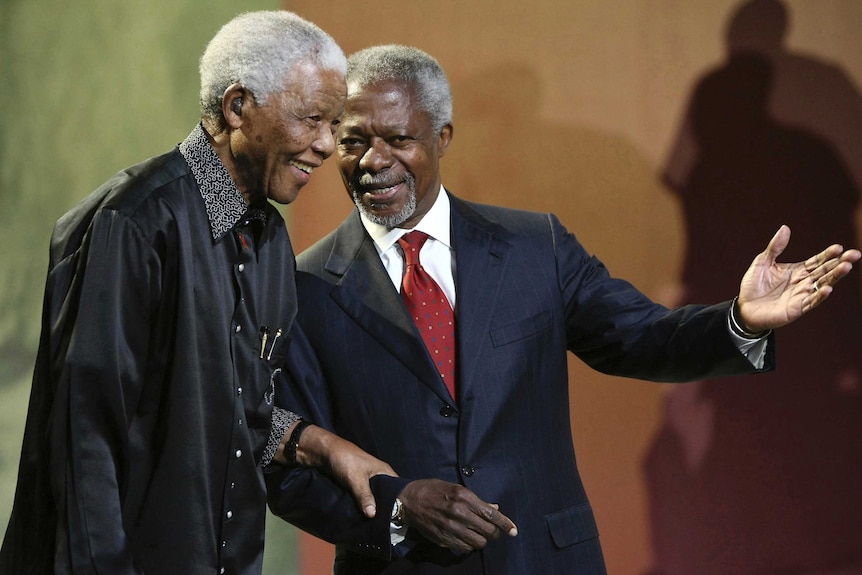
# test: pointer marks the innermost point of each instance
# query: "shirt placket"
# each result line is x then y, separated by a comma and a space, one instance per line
242, 328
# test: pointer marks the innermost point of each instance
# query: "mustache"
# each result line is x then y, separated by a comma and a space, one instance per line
383, 180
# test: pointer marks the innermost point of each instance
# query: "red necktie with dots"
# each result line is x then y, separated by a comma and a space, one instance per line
429, 308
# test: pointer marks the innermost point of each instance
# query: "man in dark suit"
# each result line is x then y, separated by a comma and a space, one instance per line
487, 425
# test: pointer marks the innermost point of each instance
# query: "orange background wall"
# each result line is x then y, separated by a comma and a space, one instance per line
572, 107
568, 106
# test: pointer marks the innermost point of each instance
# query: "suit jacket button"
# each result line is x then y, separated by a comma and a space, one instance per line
468, 470
447, 411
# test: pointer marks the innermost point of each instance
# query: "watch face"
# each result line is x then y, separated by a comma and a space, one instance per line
396, 513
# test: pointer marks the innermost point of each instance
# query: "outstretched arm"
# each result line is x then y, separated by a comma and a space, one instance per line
774, 294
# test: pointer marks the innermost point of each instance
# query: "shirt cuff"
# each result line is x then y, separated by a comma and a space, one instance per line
397, 534
282, 419
753, 349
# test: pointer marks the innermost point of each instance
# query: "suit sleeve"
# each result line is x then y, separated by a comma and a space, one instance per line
617, 330
307, 498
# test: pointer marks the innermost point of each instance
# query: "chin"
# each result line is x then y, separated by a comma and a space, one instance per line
389, 218
284, 196
391, 214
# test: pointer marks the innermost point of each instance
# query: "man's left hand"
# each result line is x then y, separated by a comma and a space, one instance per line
774, 294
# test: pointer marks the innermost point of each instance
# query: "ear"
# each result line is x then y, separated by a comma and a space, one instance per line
444, 138
235, 97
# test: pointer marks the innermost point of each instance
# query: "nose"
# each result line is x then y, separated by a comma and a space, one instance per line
324, 143
376, 157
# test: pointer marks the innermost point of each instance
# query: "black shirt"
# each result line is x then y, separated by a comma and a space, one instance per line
152, 394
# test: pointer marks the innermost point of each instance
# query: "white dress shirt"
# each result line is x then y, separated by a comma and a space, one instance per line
436, 255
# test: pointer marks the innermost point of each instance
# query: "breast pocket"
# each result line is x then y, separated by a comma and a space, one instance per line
521, 329
572, 525
275, 355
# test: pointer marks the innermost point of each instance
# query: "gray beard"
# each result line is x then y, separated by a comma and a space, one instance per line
393, 220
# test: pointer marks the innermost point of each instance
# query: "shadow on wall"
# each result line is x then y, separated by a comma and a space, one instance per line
762, 474
505, 152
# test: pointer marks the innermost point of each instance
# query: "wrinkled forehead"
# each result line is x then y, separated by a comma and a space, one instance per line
387, 89
310, 80
309, 90
382, 108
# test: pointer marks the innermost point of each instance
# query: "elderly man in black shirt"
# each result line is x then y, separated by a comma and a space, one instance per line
169, 297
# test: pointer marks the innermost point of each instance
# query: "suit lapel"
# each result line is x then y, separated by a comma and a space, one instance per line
481, 253
365, 292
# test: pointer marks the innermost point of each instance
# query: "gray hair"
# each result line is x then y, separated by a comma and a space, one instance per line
258, 50
394, 63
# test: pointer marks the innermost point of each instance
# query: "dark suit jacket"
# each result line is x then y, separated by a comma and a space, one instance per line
527, 292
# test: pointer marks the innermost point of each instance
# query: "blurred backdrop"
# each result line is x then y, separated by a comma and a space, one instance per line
673, 137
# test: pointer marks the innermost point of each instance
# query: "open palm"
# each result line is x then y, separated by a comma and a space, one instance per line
774, 294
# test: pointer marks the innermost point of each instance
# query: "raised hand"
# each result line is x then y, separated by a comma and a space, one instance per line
774, 294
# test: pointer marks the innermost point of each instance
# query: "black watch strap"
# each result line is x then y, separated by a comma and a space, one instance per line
293, 442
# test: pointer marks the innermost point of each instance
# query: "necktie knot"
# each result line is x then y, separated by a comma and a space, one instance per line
412, 243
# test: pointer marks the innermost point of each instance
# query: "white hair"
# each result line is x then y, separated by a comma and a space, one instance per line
408, 65
258, 50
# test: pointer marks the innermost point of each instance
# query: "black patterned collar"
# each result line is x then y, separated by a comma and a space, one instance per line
224, 202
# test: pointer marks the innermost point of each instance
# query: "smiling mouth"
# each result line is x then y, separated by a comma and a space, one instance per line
379, 195
382, 187
303, 167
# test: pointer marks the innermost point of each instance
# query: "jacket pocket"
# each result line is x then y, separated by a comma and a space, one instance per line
521, 329
572, 525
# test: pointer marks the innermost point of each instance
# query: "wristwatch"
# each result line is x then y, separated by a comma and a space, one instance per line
293, 443
397, 518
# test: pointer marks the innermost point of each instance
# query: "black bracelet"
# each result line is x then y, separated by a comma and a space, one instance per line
293, 443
